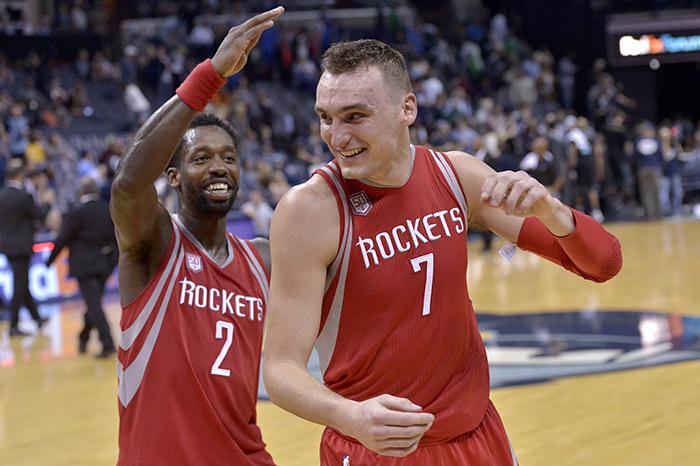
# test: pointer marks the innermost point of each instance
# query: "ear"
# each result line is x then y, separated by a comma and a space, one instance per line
173, 175
409, 109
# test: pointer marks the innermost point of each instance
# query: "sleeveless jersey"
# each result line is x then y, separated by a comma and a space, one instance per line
189, 359
396, 315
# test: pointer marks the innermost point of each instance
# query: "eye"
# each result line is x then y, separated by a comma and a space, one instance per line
354, 117
325, 119
230, 158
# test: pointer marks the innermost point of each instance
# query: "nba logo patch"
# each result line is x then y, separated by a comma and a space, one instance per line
346, 460
360, 203
194, 262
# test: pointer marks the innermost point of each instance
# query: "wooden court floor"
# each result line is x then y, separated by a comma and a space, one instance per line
59, 408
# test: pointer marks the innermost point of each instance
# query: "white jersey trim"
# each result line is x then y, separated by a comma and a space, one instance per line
201, 247
257, 268
451, 179
326, 341
130, 378
129, 335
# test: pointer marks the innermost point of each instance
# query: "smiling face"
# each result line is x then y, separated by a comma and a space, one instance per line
208, 173
364, 124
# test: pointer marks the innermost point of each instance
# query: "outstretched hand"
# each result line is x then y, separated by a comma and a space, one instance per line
390, 425
519, 194
233, 52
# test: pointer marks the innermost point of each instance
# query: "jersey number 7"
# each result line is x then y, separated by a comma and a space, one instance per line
416, 262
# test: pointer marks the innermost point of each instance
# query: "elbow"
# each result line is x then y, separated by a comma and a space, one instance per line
270, 379
124, 187
610, 265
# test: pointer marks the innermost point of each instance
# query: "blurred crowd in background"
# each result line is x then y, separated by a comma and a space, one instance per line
483, 90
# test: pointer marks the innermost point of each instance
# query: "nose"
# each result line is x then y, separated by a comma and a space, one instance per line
340, 136
217, 166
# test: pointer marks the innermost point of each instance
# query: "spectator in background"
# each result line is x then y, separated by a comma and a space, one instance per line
17, 130
542, 166
35, 152
671, 186
304, 73
88, 232
87, 165
260, 212
4, 154
137, 104
649, 160
62, 161
567, 81
278, 185
583, 167
79, 18
19, 215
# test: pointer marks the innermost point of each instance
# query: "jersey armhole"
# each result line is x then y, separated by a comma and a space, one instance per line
341, 212
160, 268
459, 182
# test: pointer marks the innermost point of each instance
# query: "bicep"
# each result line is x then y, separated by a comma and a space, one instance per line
138, 216
298, 281
472, 174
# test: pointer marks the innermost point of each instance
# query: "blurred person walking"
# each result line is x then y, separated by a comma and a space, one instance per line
649, 158
88, 231
20, 214
542, 166
671, 184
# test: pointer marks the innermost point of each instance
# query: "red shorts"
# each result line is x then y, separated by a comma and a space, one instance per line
487, 445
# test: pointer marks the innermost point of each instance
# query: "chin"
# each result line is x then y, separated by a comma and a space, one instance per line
218, 209
353, 172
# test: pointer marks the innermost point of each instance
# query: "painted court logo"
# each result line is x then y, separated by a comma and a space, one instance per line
360, 203
539, 347
194, 262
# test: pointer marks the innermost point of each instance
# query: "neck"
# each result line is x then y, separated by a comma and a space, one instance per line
208, 229
398, 169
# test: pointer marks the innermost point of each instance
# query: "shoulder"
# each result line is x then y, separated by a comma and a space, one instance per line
472, 174
469, 169
315, 192
307, 219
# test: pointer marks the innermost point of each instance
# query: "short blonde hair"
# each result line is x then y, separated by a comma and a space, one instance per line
349, 56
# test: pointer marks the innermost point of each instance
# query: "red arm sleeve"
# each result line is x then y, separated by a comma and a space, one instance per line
590, 251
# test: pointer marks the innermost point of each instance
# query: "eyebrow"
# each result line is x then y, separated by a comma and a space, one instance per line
205, 147
209, 149
347, 108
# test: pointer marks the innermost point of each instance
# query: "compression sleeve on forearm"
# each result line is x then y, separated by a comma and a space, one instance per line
590, 251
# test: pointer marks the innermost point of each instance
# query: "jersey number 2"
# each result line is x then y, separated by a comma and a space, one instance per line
220, 327
416, 262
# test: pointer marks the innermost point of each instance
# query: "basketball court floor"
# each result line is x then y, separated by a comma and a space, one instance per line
582, 373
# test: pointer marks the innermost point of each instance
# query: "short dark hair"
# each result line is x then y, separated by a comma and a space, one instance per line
15, 169
348, 56
203, 119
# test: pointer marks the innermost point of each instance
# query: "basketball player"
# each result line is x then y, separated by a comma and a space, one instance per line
381, 291
193, 296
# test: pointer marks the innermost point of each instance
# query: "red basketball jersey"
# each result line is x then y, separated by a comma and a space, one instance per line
189, 359
396, 315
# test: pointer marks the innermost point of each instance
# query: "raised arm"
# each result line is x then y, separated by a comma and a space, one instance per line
304, 240
143, 226
518, 208
139, 219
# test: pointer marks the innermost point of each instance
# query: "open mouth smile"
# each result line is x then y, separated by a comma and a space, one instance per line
348, 154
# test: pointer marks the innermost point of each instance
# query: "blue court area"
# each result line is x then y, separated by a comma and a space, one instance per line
540, 347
